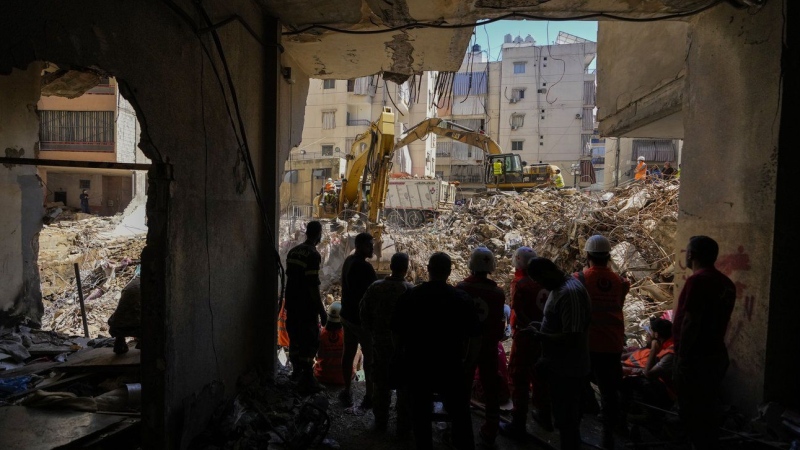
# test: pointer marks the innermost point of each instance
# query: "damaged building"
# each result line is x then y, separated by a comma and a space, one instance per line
219, 90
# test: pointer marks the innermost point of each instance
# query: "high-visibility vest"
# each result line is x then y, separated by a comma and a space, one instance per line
641, 170
498, 167
283, 335
607, 291
328, 364
559, 181
638, 359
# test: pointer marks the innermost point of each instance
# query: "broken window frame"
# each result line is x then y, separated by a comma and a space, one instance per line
517, 120
327, 150
518, 94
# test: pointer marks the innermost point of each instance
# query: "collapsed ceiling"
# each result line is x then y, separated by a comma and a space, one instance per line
330, 40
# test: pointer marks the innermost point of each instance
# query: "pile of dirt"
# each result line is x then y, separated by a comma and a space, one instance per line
107, 262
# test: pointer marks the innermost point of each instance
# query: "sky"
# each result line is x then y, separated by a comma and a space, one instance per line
536, 28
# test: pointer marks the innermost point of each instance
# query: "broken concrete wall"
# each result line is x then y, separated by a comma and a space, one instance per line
20, 197
209, 280
642, 78
728, 179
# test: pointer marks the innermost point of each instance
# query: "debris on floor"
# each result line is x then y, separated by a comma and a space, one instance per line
107, 262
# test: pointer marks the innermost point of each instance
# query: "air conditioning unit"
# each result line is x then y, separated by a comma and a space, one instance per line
578, 116
513, 100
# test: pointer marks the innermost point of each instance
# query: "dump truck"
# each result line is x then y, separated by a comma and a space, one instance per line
413, 201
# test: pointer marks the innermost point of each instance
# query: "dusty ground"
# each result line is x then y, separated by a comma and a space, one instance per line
354, 431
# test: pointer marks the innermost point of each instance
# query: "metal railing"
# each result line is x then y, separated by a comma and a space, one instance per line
300, 211
357, 122
76, 146
314, 155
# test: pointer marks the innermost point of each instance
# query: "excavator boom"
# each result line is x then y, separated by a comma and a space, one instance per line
454, 131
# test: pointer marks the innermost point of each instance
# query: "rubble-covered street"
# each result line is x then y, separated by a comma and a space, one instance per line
639, 220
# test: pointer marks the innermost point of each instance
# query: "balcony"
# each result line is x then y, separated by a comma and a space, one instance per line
358, 122
63, 146
466, 178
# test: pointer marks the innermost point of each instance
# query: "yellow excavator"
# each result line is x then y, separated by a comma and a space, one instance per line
363, 190
516, 176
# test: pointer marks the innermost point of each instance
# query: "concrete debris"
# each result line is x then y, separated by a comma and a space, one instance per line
107, 263
639, 220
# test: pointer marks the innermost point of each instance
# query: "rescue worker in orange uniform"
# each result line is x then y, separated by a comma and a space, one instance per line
607, 291
489, 300
283, 336
527, 306
328, 364
640, 173
648, 370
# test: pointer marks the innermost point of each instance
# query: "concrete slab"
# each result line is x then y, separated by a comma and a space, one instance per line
34, 429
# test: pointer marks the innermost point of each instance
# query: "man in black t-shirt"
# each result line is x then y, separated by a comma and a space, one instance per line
357, 276
303, 306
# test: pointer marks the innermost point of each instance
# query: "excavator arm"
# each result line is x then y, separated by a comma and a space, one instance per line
450, 130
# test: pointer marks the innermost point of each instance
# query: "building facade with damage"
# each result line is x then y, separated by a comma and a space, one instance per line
99, 125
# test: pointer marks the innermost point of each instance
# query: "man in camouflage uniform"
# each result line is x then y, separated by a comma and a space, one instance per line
377, 312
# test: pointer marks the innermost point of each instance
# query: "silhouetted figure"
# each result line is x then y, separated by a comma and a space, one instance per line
357, 276
446, 316
489, 301
701, 320
378, 308
607, 291
564, 336
304, 307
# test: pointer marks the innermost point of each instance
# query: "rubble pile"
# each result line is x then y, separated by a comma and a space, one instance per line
107, 263
639, 220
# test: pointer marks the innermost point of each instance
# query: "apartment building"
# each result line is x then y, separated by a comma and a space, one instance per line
475, 104
538, 100
339, 110
99, 125
547, 99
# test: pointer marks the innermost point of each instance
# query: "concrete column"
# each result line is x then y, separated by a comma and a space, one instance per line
21, 198
780, 378
729, 178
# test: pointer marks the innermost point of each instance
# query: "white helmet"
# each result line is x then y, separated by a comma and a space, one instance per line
334, 312
641, 158
522, 256
482, 260
330, 180
597, 244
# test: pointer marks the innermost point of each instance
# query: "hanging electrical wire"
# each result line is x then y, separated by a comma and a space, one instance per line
513, 15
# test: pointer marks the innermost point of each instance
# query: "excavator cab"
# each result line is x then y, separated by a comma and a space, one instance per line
516, 174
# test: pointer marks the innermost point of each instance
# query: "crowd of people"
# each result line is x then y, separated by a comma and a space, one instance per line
567, 332
644, 173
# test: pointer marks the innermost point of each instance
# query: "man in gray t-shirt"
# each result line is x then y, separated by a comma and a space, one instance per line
565, 346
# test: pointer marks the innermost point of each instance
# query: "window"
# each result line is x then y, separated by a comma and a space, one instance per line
328, 84
85, 184
351, 85
328, 120
517, 94
517, 120
77, 130
544, 84
327, 150
519, 67
290, 176
321, 174
516, 146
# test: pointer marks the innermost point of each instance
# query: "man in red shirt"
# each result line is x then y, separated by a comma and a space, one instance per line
607, 291
701, 320
527, 305
489, 301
